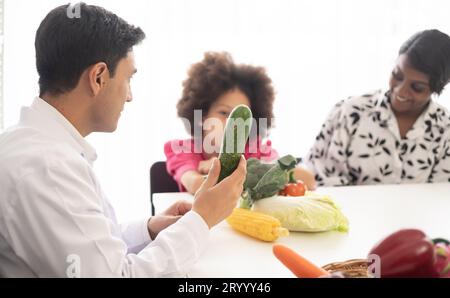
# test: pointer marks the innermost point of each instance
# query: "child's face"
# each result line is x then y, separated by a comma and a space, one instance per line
219, 112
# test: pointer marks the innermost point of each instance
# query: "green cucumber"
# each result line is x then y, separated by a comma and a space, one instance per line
235, 137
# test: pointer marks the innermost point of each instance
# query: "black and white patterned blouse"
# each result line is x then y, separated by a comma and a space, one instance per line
360, 143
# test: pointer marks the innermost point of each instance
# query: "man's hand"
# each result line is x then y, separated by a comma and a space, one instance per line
215, 202
164, 220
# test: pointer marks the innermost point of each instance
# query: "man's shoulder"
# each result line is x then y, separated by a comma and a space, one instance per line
25, 148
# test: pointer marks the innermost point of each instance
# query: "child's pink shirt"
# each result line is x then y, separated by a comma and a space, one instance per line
182, 158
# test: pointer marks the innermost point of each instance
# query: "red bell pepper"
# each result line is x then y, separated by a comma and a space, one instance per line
406, 253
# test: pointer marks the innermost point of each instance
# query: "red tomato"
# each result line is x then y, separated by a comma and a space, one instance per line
294, 189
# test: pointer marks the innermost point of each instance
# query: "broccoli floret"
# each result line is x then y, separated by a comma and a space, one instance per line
266, 180
255, 171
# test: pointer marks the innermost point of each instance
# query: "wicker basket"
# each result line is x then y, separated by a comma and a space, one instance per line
352, 268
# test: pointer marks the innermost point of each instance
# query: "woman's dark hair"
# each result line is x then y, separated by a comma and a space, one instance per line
66, 45
429, 52
218, 74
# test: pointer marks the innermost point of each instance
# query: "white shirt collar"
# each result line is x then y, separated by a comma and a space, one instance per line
46, 118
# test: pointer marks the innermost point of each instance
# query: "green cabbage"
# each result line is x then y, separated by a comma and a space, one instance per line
311, 213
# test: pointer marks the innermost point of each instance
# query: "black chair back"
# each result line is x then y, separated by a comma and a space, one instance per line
160, 181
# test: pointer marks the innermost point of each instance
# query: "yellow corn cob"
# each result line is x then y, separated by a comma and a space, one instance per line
257, 225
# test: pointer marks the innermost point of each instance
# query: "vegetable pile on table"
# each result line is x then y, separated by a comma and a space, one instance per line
272, 189
277, 215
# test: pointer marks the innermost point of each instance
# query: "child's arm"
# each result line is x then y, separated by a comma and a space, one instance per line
306, 176
192, 180
268, 154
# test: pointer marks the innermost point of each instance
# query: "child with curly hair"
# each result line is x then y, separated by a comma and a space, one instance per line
214, 87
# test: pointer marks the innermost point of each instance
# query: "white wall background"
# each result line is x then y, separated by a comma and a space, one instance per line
316, 52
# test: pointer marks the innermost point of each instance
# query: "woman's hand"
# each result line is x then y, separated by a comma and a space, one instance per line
306, 176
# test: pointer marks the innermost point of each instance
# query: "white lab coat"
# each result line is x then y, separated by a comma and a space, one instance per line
55, 221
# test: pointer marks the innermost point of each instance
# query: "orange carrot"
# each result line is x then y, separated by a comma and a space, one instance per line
300, 266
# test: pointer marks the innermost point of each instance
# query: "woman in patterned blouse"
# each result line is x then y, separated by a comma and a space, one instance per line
398, 136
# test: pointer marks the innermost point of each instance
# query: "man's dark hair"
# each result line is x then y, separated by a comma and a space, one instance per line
429, 52
66, 45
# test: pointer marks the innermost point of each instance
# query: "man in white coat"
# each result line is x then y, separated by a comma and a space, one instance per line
55, 221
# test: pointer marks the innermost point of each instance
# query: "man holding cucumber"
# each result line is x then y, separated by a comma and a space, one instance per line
55, 221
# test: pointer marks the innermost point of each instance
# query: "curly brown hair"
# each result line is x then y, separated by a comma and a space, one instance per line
216, 75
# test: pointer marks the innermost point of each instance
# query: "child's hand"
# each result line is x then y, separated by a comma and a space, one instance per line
205, 166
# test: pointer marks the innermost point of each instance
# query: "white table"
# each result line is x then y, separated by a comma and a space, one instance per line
373, 212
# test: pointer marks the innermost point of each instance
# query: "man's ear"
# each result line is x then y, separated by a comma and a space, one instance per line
98, 76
